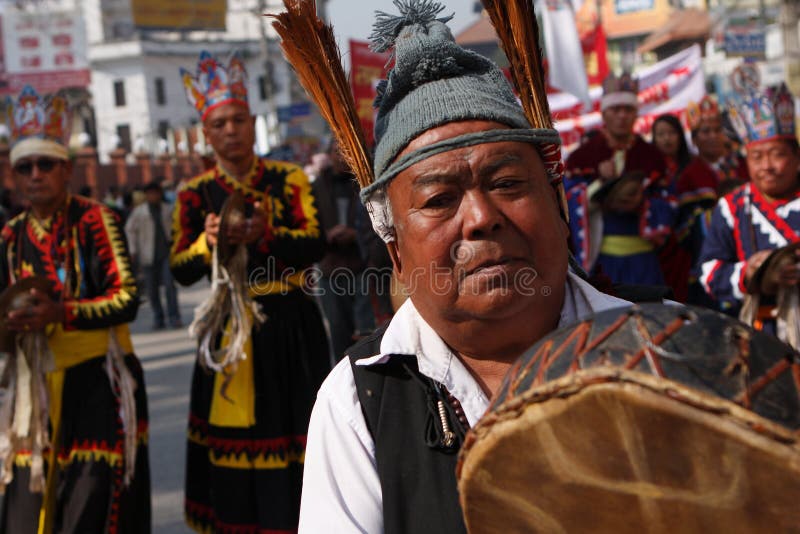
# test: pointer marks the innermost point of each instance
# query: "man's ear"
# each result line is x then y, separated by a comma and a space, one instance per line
394, 254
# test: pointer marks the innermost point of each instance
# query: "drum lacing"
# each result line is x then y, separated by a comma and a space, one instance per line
688, 317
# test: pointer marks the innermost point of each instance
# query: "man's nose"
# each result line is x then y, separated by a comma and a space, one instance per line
768, 163
481, 215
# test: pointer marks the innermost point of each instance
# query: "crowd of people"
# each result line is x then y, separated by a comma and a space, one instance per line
697, 219
468, 189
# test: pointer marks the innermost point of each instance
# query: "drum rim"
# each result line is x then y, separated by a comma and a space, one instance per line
584, 379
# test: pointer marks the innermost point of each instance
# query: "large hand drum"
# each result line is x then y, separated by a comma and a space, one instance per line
652, 419
18, 297
232, 214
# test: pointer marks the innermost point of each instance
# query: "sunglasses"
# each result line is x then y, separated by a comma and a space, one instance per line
44, 165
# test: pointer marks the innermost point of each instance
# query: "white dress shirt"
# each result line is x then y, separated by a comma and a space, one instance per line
341, 489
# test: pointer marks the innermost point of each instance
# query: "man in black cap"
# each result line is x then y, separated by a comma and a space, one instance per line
148, 231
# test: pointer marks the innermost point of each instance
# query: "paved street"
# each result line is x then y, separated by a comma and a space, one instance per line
167, 357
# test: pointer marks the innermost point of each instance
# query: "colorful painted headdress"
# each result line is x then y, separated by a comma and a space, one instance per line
215, 84
620, 90
697, 112
764, 117
39, 126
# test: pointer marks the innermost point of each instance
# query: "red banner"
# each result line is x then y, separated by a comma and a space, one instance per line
367, 68
593, 41
666, 87
595, 55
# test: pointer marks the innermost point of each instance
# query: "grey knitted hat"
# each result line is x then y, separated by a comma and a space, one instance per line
434, 82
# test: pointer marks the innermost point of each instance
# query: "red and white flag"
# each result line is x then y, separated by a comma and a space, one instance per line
566, 69
666, 87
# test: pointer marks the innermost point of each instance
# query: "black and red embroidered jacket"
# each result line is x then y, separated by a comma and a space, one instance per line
83, 243
291, 242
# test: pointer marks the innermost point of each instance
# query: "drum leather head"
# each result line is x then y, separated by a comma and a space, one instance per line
776, 260
233, 213
587, 436
16, 297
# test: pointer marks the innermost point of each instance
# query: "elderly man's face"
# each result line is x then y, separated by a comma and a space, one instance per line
231, 131
479, 235
619, 120
43, 180
774, 167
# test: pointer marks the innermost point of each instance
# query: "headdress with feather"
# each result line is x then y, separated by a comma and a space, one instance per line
214, 84
310, 47
39, 126
434, 81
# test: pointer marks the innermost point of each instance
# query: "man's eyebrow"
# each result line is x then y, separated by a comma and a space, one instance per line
434, 177
438, 176
493, 166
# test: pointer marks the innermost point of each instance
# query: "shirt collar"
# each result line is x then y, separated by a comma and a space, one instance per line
247, 181
408, 334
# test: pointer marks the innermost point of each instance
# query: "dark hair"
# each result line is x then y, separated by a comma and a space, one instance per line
794, 146
683, 157
152, 186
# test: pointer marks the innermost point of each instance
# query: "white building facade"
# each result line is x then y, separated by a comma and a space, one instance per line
136, 88
136, 93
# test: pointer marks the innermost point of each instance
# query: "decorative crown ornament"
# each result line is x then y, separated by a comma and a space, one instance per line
214, 84
622, 90
764, 117
38, 125
697, 112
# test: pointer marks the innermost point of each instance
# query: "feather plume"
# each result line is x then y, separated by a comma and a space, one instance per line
310, 47
518, 30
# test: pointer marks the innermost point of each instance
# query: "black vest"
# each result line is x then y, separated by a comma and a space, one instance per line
416, 469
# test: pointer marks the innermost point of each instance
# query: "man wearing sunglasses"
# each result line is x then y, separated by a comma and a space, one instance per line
79, 463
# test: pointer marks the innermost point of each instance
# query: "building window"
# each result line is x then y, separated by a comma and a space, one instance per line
119, 93
163, 129
262, 87
124, 133
161, 93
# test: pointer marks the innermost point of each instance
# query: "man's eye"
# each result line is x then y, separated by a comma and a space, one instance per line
506, 183
441, 200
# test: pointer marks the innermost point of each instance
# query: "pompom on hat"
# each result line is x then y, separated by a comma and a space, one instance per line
214, 84
764, 117
435, 82
39, 126
620, 90
697, 112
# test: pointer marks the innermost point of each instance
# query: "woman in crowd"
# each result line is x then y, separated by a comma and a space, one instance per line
675, 259
669, 137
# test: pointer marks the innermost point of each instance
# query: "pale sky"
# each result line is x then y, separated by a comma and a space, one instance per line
352, 19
